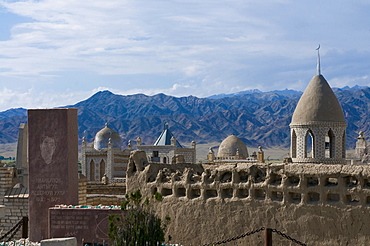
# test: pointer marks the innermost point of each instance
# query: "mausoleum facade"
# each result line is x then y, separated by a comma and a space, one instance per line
166, 149
104, 158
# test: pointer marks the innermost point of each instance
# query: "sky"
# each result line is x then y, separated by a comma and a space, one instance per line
56, 53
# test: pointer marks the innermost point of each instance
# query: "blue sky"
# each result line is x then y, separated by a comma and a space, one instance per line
55, 53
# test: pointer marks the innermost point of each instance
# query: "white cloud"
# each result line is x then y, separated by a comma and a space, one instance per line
193, 47
35, 99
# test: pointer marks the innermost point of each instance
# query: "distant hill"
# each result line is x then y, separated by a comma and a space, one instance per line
259, 118
256, 91
9, 124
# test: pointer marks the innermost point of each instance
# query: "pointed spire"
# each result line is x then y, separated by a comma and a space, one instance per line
318, 61
166, 138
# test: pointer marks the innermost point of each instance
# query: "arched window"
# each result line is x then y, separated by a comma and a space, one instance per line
102, 168
309, 145
92, 170
164, 160
156, 157
294, 144
329, 144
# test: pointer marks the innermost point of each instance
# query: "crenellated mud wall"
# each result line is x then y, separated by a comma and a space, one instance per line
314, 203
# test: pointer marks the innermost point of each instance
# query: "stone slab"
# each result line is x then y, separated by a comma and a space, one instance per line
70, 241
53, 169
88, 225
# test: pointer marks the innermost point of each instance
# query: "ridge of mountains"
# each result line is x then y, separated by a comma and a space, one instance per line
258, 118
256, 91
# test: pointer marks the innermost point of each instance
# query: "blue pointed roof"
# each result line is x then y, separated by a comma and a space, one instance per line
165, 138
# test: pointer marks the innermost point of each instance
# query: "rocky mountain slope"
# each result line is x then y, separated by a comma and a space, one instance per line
259, 118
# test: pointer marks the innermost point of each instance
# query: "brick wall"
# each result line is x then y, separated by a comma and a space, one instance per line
14, 205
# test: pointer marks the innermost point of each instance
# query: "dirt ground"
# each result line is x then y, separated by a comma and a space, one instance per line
8, 150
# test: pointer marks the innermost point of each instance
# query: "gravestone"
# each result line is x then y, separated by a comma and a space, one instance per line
53, 164
88, 225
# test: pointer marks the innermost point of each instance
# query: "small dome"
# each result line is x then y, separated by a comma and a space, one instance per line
232, 146
102, 138
318, 103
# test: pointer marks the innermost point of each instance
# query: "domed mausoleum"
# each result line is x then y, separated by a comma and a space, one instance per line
232, 146
318, 128
233, 149
105, 157
105, 135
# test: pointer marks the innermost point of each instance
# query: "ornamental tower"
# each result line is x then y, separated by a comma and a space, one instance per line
318, 128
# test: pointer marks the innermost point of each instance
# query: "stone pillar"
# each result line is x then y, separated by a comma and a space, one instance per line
261, 155
82, 189
361, 146
138, 141
110, 160
83, 157
53, 164
211, 155
338, 133
319, 142
194, 153
173, 141
22, 154
301, 143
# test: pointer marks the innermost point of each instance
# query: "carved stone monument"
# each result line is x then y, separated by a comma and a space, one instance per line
53, 172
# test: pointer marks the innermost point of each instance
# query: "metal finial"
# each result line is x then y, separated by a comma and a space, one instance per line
318, 61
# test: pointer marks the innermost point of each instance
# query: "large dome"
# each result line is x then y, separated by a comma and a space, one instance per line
318, 103
102, 138
230, 146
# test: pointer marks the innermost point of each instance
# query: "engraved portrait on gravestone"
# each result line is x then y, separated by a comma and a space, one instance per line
47, 147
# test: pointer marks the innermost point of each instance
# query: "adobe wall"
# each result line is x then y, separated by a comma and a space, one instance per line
107, 189
314, 203
97, 193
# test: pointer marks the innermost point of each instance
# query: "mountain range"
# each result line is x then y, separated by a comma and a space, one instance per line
258, 118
